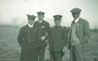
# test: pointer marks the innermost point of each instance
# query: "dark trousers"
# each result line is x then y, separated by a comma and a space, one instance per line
29, 55
55, 55
40, 53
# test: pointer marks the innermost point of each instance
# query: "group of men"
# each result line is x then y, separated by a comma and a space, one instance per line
34, 37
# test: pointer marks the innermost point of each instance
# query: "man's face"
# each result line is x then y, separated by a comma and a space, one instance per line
75, 15
40, 17
30, 21
57, 22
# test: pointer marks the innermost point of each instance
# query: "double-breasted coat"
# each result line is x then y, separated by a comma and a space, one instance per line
43, 29
27, 41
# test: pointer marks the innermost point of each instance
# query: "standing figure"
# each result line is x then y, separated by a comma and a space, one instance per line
27, 40
79, 35
58, 39
43, 29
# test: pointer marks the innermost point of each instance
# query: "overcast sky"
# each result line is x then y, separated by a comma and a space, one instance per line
14, 11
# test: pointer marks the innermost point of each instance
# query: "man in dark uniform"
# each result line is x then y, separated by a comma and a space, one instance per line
58, 39
79, 35
27, 40
43, 28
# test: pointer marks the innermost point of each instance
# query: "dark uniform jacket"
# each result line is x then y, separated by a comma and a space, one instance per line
82, 31
43, 29
58, 38
27, 41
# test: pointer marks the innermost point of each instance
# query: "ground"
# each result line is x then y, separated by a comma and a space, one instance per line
10, 49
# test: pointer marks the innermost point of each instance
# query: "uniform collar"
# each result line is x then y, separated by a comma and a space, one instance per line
30, 26
40, 21
77, 19
58, 26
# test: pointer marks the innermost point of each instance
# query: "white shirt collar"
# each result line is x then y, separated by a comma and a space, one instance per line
30, 26
77, 19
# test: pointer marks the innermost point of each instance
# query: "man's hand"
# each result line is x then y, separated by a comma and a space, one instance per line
43, 38
64, 49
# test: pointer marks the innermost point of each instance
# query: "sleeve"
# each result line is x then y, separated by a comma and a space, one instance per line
20, 37
65, 36
48, 31
48, 28
50, 42
86, 32
69, 38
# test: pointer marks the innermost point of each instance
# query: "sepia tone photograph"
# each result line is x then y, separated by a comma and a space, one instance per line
48, 30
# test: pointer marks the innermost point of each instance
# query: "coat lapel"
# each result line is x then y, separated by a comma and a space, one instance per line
79, 28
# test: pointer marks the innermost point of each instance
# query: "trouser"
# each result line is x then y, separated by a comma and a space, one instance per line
56, 55
29, 55
40, 53
75, 54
